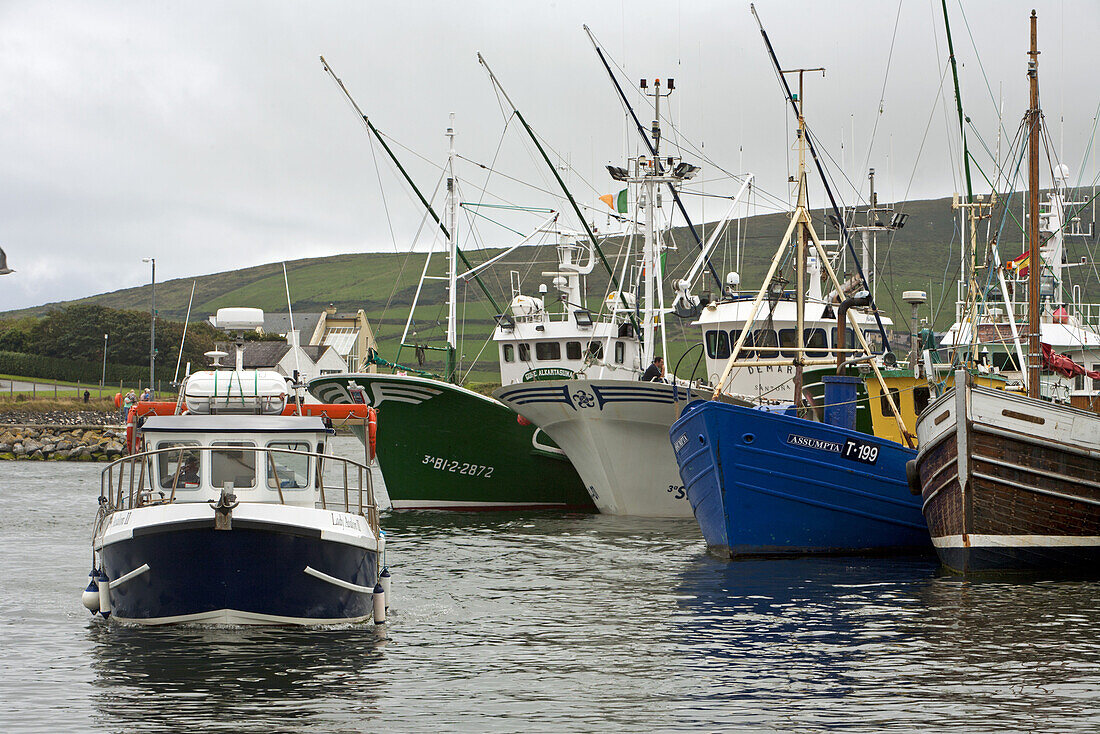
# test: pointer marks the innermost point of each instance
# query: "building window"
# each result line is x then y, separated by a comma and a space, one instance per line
545, 351
232, 463
508, 352
524, 352
620, 352
291, 470
333, 372
595, 350
572, 350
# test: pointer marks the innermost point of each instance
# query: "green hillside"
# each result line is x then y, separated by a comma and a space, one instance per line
923, 255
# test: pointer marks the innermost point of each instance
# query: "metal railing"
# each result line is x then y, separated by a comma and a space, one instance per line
130, 482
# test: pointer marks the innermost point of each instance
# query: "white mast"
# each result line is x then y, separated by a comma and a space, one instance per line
452, 246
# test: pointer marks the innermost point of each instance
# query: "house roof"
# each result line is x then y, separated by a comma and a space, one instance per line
259, 355
279, 323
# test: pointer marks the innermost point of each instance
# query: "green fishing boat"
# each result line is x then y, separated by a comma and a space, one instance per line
441, 446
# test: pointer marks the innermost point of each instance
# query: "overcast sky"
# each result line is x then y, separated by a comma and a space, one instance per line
207, 135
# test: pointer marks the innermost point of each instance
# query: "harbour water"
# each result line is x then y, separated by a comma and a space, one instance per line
548, 622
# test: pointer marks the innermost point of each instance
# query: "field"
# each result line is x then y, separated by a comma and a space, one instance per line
924, 255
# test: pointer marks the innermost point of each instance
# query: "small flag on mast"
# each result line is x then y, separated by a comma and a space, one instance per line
616, 202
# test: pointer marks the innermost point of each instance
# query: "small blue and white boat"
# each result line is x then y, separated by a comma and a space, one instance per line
232, 512
768, 483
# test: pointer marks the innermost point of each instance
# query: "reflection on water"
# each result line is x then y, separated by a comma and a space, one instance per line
882, 643
275, 679
538, 621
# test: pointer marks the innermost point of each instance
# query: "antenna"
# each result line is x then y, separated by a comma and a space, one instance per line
297, 345
183, 340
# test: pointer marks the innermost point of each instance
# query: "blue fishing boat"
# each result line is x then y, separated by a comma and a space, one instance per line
766, 482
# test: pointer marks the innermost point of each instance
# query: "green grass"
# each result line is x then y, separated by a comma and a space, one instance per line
923, 256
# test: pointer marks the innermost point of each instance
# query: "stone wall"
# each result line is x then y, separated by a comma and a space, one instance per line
62, 443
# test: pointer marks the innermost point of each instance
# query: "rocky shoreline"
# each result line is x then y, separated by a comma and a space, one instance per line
62, 442
60, 418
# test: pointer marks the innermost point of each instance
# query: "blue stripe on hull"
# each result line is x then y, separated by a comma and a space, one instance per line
259, 571
754, 493
1069, 561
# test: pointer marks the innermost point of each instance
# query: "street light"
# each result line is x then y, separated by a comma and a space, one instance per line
153, 320
103, 377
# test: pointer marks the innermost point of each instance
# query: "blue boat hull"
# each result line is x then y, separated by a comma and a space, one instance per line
252, 574
763, 483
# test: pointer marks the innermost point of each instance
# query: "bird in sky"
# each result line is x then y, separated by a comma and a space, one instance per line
4, 269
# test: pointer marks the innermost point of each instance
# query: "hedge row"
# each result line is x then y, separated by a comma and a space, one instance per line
71, 370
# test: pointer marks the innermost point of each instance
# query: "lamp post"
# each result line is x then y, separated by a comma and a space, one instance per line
103, 377
153, 321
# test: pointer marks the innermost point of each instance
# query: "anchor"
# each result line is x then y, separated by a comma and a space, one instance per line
223, 508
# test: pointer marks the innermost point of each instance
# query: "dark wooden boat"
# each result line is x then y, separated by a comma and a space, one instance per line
1010, 482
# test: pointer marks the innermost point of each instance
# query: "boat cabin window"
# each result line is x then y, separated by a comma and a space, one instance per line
572, 350
508, 352
747, 352
849, 338
874, 340
718, 344
817, 342
620, 352
788, 342
814, 341
884, 404
545, 351
524, 352
179, 468
232, 463
921, 397
290, 471
595, 350
767, 343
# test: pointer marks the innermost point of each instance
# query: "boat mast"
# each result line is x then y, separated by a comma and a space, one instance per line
561, 184
653, 151
408, 179
1034, 259
803, 237
452, 254
845, 235
650, 251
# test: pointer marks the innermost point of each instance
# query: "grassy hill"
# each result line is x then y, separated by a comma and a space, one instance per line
924, 255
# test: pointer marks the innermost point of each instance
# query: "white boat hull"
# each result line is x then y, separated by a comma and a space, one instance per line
615, 432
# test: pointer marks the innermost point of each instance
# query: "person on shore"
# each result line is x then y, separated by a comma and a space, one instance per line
87, 397
656, 371
147, 394
127, 401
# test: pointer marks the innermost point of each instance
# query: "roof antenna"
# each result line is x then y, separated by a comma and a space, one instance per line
296, 338
183, 340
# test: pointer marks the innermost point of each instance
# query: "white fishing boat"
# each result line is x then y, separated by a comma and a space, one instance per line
232, 512
611, 425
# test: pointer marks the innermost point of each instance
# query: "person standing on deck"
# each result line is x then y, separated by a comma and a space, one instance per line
656, 371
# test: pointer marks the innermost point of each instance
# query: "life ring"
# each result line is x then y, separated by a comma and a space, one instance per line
372, 431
